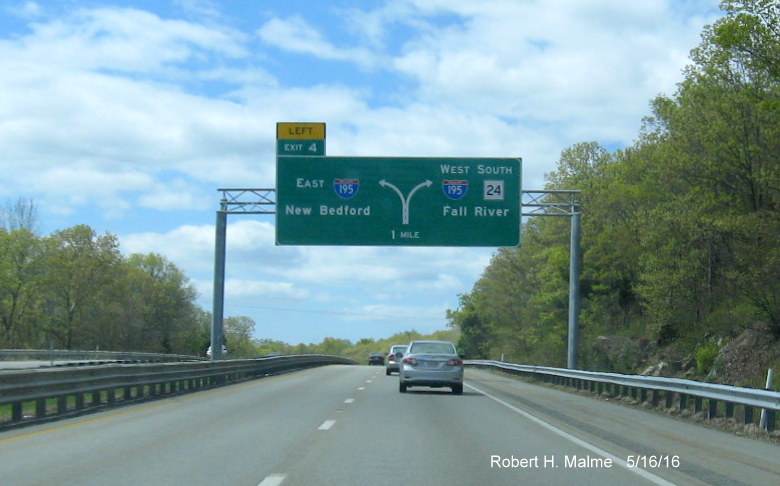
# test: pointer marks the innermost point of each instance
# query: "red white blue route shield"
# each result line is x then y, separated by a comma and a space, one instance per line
455, 189
346, 188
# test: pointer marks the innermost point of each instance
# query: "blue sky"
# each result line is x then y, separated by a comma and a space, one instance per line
128, 115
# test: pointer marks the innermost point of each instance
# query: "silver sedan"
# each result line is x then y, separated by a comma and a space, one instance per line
393, 361
431, 363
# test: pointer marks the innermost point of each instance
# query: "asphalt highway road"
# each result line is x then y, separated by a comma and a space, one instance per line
349, 425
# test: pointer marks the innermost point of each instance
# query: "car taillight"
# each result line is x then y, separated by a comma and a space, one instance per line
455, 362
410, 361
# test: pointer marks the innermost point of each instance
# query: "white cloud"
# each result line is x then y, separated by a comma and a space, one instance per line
296, 35
189, 247
175, 196
242, 289
207, 8
563, 62
412, 314
125, 40
26, 10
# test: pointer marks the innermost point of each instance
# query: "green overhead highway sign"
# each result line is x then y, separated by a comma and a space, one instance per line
396, 201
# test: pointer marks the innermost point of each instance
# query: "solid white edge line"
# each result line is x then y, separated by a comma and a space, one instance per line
636, 470
272, 480
326, 425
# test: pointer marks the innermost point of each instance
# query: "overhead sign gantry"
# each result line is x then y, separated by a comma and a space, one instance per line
392, 201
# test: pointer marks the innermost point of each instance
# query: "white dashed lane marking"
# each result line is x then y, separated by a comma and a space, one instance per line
326, 425
278, 479
272, 480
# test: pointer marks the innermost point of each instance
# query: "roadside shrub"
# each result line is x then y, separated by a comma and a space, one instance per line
705, 357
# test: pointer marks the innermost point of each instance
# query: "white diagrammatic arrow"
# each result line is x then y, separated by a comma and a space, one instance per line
405, 200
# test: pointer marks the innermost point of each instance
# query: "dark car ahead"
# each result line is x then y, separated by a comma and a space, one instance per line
393, 361
376, 359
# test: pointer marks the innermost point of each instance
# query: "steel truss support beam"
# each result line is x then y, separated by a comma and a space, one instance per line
551, 203
248, 201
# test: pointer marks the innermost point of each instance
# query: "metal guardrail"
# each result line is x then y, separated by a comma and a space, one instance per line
68, 354
29, 396
674, 391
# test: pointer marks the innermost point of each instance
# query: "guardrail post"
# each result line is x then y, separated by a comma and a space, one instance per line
712, 410
683, 402
16, 412
40, 408
748, 415
729, 410
770, 420
769, 377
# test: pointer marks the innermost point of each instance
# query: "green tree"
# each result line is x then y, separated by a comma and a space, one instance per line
20, 268
238, 337
721, 138
167, 310
80, 265
333, 346
474, 339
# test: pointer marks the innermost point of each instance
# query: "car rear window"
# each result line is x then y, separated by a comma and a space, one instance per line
434, 348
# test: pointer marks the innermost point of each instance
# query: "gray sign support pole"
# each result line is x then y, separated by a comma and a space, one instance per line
232, 202
574, 291
564, 203
217, 323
